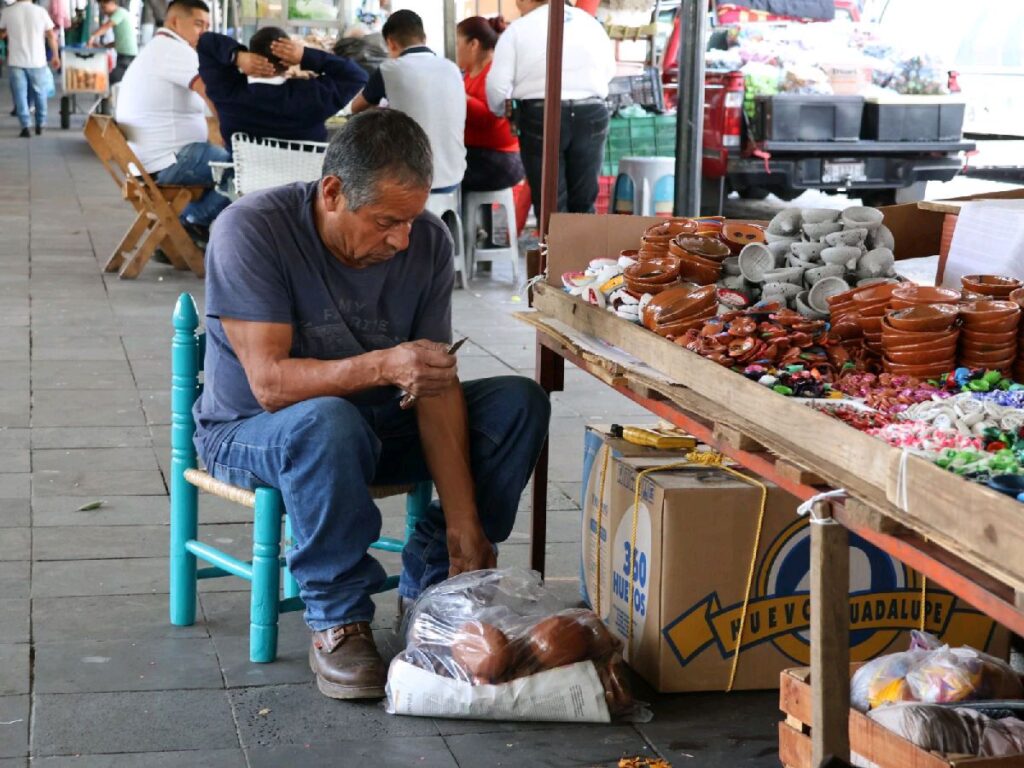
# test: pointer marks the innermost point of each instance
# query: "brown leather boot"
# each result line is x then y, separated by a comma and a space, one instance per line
346, 662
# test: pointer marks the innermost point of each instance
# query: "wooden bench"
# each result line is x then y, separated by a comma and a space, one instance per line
158, 206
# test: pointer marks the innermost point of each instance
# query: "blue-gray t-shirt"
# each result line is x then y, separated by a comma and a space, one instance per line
266, 263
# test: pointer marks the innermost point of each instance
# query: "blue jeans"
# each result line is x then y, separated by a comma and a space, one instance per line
29, 83
324, 453
193, 169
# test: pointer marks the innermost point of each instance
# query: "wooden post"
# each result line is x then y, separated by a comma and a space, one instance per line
830, 636
551, 376
548, 196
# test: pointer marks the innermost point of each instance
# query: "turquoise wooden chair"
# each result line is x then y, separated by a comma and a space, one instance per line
264, 571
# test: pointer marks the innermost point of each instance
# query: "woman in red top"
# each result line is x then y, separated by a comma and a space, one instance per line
492, 150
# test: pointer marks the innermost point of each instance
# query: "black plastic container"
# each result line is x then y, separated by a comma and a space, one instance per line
812, 117
913, 118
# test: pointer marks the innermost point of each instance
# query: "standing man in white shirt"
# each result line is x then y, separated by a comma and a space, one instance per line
426, 87
161, 109
25, 27
519, 71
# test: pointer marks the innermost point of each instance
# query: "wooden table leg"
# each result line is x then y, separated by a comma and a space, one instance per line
551, 376
830, 637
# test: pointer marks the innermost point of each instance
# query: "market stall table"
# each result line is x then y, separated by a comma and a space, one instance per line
907, 507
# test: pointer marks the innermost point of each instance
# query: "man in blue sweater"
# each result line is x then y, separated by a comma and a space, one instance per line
253, 96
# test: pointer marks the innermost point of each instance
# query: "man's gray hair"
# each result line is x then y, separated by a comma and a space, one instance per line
375, 145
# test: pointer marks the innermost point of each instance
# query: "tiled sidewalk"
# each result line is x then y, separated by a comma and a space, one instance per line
91, 673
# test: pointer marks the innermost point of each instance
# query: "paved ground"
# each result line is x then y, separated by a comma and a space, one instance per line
91, 673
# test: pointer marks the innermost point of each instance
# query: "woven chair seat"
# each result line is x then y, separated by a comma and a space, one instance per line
206, 482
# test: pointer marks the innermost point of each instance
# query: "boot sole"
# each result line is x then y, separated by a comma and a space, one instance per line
338, 691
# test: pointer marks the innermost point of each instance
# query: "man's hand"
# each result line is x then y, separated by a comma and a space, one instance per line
420, 368
55, 63
254, 65
289, 51
469, 550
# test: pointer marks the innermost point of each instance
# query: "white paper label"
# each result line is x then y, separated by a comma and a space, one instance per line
567, 694
624, 554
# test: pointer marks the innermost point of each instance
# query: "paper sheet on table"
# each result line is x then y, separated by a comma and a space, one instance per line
567, 694
988, 240
603, 349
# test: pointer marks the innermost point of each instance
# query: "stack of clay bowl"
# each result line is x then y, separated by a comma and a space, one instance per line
1017, 297
654, 243
678, 309
652, 275
989, 336
912, 294
920, 340
700, 257
869, 306
989, 286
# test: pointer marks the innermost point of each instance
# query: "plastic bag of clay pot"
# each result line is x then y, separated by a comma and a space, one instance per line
497, 645
933, 674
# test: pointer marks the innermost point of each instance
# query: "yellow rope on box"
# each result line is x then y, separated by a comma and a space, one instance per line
924, 598
600, 509
695, 460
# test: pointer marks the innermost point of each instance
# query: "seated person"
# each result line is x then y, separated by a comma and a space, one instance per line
492, 150
253, 95
366, 54
161, 110
325, 301
125, 41
428, 88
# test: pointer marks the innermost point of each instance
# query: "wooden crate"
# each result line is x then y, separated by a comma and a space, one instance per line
908, 489
867, 738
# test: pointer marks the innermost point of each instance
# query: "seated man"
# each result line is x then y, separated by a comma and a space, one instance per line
428, 88
253, 96
325, 301
160, 108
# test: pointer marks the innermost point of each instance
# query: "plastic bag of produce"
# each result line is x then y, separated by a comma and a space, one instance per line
494, 645
933, 674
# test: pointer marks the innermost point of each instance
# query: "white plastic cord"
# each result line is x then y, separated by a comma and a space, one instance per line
807, 508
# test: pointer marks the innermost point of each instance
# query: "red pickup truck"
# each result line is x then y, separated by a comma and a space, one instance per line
735, 160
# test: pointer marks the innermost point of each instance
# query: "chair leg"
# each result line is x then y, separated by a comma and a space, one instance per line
416, 503
128, 242
266, 576
469, 217
184, 527
291, 586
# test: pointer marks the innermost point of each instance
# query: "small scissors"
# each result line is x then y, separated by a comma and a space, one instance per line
409, 398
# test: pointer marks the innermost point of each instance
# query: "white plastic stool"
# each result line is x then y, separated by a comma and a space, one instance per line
445, 205
471, 206
645, 186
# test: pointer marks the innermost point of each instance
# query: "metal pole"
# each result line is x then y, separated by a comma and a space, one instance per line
552, 117
449, 29
690, 110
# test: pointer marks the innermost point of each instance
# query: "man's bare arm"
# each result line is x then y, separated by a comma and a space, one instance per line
444, 434
278, 380
359, 104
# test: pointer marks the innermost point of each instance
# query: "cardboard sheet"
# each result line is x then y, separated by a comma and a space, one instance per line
989, 239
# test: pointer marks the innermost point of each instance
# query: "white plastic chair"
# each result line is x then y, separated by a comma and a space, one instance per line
472, 205
446, 206
263, 163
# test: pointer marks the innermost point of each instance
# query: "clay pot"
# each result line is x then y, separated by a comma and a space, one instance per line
989, 316
737, 234
908, 294
921, 357
939, 347
918, 372
925, 317
976, 358
709, 248
990, 285
990, 339
679, 302
1017, 296
656, 273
